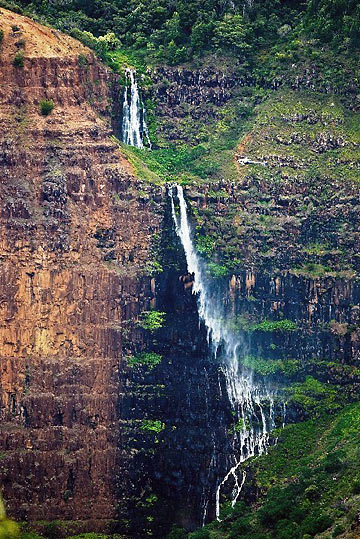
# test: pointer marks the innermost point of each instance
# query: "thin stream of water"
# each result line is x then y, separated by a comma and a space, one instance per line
252, 401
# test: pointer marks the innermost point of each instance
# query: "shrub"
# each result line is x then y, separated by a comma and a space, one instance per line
275, 325
298, 513
314, 396
153, 267
239, 527
1, 35
232, 33
177, 533
285, 529
152, 425
144, 359
52, 529
312, 492
152, 320
83, 61
216, 270
356, 485
199, 534
19, 59
20, 44
279, 503
9, 529
333, 462
338, 530
205, 244
314, 524
276, 507
46, 106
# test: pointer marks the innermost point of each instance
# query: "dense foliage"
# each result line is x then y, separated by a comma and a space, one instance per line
175, 31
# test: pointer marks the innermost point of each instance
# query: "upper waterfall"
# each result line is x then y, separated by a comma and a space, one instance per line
134, 127
252, 401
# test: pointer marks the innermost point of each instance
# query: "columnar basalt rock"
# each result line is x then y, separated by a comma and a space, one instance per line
75, 239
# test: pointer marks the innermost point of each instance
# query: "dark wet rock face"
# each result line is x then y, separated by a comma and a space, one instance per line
186, 394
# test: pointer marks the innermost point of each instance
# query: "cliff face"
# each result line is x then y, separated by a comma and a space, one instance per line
93, 436
75, 237
281, 239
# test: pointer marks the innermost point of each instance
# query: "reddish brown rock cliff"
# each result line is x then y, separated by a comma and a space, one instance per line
74, 237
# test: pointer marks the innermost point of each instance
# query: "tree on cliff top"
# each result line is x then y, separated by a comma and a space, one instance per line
175, 31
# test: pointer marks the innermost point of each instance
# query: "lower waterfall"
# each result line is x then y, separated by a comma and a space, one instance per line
252, 400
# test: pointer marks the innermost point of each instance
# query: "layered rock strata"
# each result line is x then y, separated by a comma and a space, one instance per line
75, 238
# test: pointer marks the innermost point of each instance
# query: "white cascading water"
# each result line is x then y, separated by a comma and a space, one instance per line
252, 401
134, 125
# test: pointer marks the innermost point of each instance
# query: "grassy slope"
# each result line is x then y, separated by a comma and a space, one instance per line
310, 145
310, 483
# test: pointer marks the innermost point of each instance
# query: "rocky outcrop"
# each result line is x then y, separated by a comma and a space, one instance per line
199, 95
294, 206
186, 97
177, 86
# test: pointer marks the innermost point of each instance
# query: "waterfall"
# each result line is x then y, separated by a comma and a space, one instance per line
252, 401
134, 127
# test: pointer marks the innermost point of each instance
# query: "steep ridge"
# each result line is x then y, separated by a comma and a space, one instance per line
75, 237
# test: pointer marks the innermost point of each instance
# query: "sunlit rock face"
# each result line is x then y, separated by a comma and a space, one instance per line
69, 283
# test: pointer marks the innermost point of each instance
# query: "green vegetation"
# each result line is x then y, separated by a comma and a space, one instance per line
206, 149
101, 45
19, 59
305, 138
52, 530
1, 35
301, 138
268, 367
303, 479
174, 33
8, 528
153, 267
239, 426
274, 325
246, 322
315, 397
83, 61
136, 158
144, 359
46, 106
216, 270
21, 43
152, 320
265, 42
152, 425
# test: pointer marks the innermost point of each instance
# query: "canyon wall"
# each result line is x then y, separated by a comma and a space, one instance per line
75, 240
91, 434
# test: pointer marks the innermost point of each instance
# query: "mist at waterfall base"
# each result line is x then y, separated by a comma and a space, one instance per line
253, 401
134, 129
